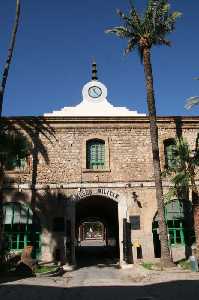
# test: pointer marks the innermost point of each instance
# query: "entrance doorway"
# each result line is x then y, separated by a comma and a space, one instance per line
179, 220
97, 231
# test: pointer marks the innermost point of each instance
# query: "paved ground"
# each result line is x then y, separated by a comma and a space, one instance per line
98, 278
107, 283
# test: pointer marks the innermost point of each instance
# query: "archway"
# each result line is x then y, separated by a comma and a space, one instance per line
92, 229
97, 216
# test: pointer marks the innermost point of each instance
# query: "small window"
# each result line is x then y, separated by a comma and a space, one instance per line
19, 164
58, 224
95, 154
169, 151
135, 222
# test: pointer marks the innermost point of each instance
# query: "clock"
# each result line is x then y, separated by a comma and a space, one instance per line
95, 92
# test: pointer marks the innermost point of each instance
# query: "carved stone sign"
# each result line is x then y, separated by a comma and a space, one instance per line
99, 191
83, 194
108, 193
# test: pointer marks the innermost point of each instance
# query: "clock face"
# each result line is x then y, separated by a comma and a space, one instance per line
95, 92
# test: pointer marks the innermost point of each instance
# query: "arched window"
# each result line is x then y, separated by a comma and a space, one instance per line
95, 154
18, 228
169, 152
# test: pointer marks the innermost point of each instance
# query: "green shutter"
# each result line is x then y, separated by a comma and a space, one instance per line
170, 155
96, 154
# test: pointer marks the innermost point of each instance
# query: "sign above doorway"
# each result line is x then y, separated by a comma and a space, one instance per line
96, 192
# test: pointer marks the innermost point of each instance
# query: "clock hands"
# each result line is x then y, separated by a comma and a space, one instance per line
95, 92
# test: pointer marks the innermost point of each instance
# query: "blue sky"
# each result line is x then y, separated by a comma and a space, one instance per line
57, 40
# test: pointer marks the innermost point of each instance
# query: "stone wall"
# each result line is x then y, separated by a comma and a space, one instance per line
60, 171
62, 158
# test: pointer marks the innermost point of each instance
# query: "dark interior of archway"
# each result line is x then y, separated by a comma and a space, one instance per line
104, 210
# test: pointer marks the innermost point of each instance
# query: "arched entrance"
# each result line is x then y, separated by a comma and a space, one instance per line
97, 231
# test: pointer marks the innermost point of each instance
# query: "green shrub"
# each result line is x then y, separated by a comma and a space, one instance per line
185, 264
147, 265
45, 269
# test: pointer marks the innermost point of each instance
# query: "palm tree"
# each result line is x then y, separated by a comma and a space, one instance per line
142, 33
182, 172
14, 146
10, 55
192, 101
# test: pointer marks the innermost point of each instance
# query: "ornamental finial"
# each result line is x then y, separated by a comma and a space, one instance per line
94, 70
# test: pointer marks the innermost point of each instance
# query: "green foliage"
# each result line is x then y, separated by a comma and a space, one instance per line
183, 168
147, 265
185, 264
148, 29
45, 269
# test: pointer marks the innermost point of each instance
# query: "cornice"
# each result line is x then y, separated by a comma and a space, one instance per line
172, 121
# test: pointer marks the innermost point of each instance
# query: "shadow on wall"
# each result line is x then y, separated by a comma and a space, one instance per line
182, 290
51, 210
49, 220
45, 204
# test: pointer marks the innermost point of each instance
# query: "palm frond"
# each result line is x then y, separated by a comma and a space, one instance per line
144, 31
183, 149
192, 101
172, 192
131, 45
181, 179
119, 31
161, 41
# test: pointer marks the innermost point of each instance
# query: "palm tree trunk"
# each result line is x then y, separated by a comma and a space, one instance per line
195, 202
1, 206
10, 55
165, 253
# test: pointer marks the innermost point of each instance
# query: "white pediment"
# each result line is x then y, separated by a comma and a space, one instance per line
94, 103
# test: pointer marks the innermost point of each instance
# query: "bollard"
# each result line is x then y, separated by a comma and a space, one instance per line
194, 263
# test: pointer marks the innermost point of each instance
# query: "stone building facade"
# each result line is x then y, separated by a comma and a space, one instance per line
61, 189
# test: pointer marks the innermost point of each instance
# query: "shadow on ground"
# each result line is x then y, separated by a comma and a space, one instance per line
11, 276
181, 290
96, 256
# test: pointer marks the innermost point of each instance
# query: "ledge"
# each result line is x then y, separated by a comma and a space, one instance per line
96, 171
17, 172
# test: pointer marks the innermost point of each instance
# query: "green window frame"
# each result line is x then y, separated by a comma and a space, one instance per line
18, 228
175, 220
95, 154
16, 164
